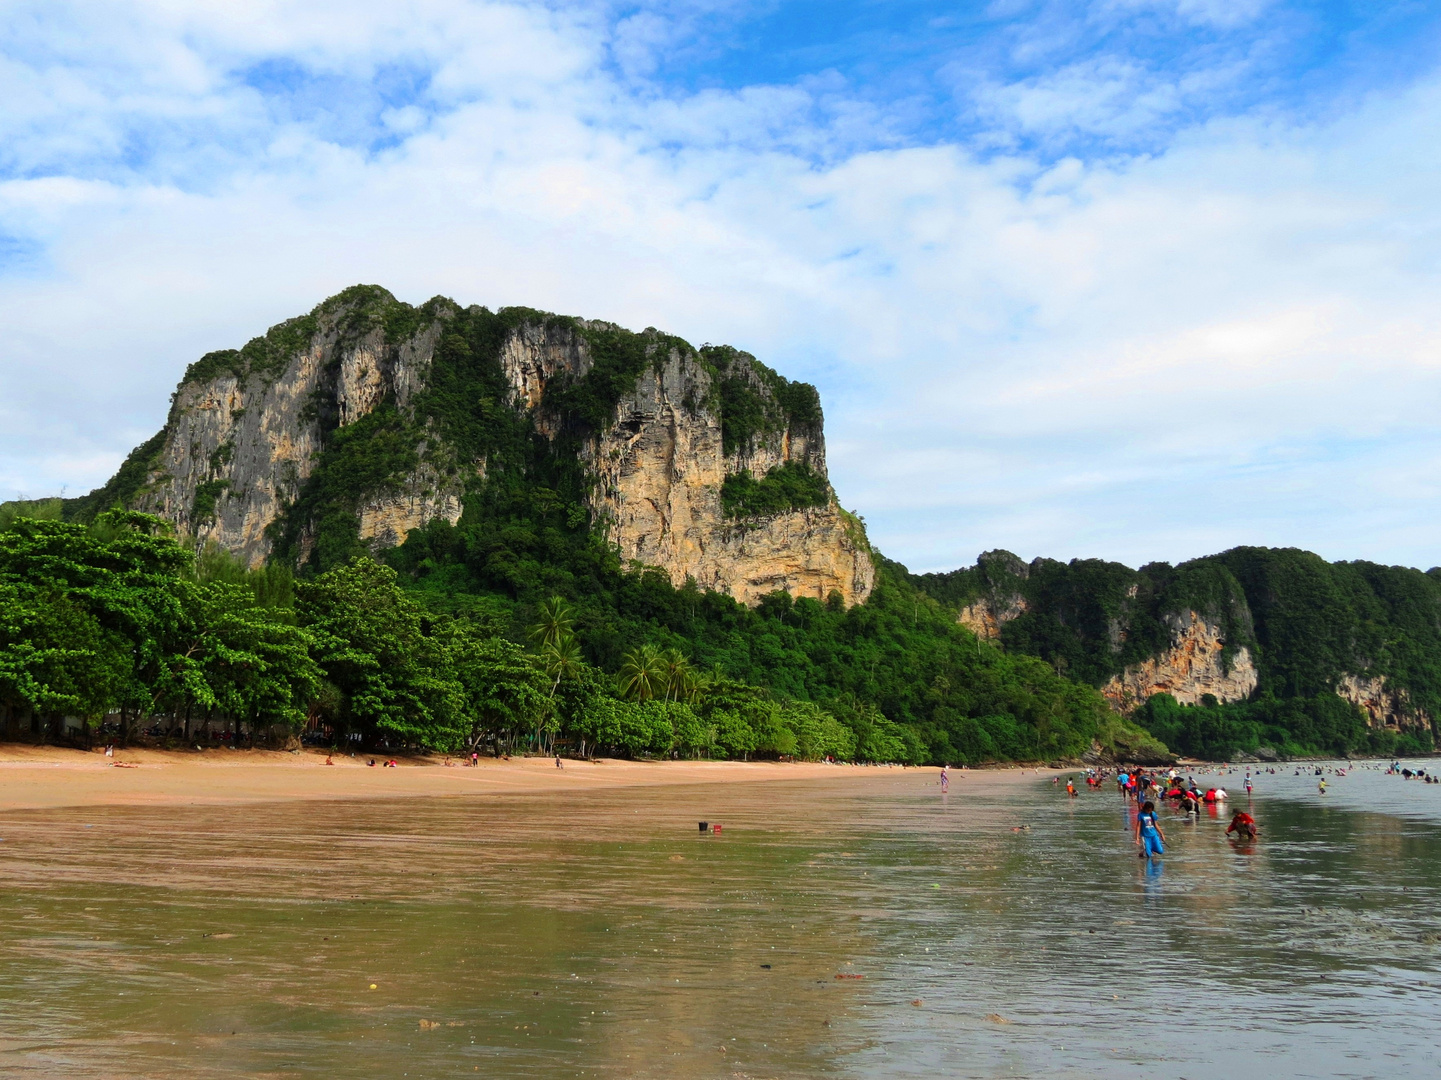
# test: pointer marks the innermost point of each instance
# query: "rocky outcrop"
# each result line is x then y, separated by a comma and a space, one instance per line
1192, 667
660, 470
1002, 601
422, 497
235, 454
986, 616
1385, 706
238, 447
244, 438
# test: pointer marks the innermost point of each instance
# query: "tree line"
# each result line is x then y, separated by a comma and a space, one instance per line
116, 619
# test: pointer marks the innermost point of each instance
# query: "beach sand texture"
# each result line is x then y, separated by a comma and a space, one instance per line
40, 777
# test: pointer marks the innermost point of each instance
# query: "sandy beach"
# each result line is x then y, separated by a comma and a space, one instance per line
39, 777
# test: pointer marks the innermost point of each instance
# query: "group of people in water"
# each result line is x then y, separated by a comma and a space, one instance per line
1409, 774
1144, 789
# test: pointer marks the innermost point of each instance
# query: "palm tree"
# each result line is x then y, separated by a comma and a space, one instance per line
556, 622
698, 684
642, 673
679, 678
558, 659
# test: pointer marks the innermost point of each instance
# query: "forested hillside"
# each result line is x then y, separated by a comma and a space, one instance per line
1347, 655
117, 618
446, 527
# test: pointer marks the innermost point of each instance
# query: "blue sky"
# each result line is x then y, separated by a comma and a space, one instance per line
1140, 279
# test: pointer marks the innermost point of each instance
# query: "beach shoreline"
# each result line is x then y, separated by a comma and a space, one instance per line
52, 777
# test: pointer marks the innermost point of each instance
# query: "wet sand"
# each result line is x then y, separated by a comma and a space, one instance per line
41, 777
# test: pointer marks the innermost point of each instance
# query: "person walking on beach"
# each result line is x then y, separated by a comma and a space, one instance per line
1149, 837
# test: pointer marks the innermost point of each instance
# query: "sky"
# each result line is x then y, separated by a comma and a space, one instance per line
1129, 279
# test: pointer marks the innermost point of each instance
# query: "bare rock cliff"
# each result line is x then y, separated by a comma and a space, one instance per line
661, 468
1191, 667
249, 430
1385, 706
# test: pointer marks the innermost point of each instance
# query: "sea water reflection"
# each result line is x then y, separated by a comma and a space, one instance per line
603, 936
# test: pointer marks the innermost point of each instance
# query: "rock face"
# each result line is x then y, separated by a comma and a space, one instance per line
661, 467
238, 447
986, 616
1190, 668
1384, 706
248, 431
1001, 600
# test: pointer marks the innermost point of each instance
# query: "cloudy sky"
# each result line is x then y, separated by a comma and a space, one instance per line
1138, 279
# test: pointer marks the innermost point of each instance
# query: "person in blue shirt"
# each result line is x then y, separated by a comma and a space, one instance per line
1149, 837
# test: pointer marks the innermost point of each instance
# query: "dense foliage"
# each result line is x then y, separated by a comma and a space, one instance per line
111, 618
897, 664
1306, 622
792, 486
435, 647
116, 619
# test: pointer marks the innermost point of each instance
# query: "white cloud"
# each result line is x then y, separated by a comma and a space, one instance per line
1230, 341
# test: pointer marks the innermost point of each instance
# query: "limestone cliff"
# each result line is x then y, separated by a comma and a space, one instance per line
1385, 706
240, 443
1001, 580
1112, 626
985, 617
1192, 667
662, 467
368, 419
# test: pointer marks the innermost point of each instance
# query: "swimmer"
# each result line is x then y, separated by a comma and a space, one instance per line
1243, 825
1149, 837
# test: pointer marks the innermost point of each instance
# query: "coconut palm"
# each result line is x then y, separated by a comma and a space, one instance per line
643, 674
556, 622
558, 659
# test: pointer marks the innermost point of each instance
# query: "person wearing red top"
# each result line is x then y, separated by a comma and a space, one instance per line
1243, 825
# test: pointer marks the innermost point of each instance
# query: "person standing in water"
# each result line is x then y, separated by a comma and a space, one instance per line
1248, 783
945, 778
1322, 786
1149, 837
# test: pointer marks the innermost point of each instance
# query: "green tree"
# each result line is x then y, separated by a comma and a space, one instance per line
506, 692
643, 674
377, 648
234, 658
555, 624
123, 571
56, 659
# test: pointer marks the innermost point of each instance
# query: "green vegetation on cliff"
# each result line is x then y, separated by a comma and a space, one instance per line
792, 486
118, 619
412, 644
1307, 624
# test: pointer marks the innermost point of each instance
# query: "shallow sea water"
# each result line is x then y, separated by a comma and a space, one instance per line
861, 927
